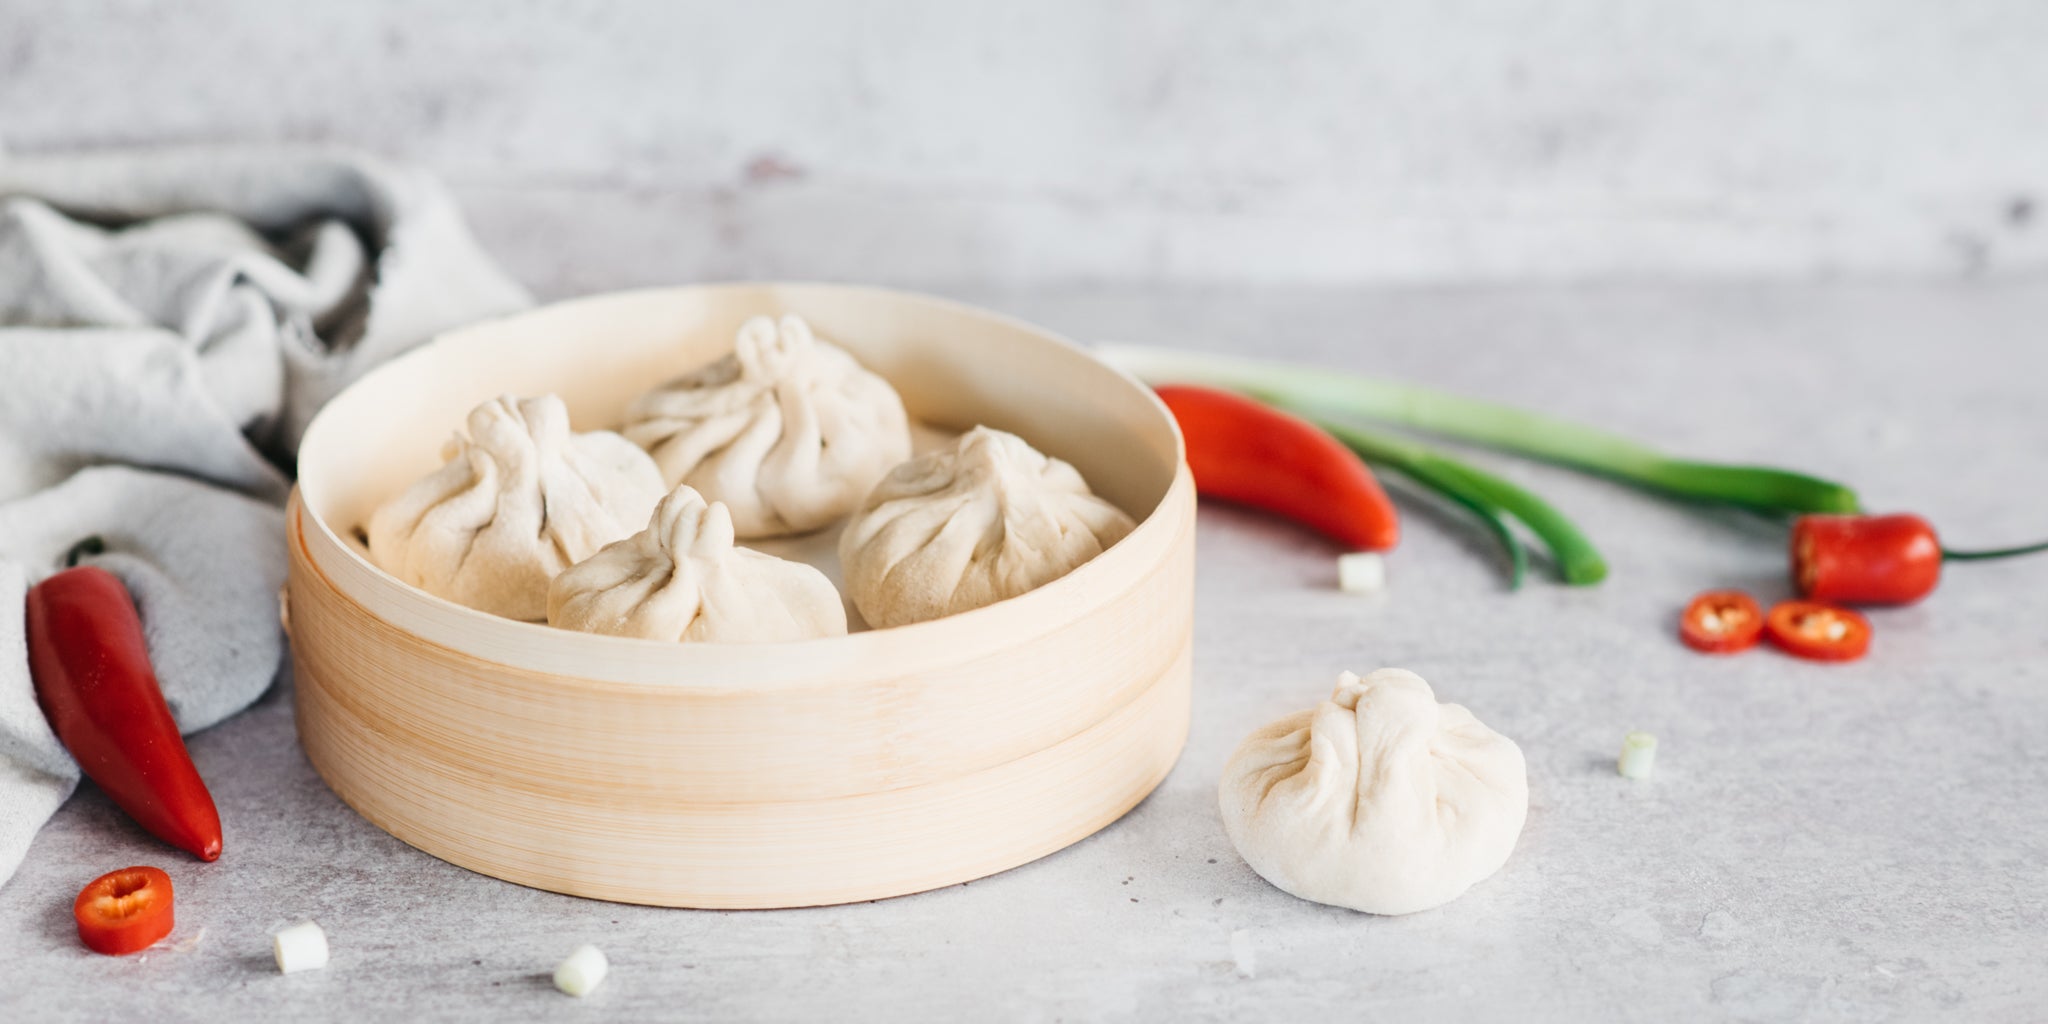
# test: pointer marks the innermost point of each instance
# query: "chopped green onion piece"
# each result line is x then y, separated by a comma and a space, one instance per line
1361, 572
1638, 755
1496, 426
583, 971
301, 947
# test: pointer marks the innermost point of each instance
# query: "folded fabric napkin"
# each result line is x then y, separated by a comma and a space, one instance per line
169, 322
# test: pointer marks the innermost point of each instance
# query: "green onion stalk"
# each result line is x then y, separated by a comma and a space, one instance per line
1493, 499
1324, 395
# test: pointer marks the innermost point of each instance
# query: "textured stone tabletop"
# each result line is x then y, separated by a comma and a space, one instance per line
1820, 842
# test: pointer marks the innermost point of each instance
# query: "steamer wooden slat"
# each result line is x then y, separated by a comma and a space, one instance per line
740, 775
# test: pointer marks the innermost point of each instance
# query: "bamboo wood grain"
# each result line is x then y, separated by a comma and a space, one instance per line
746, 775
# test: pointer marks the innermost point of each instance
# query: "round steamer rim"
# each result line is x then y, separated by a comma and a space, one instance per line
637, 664
748, 775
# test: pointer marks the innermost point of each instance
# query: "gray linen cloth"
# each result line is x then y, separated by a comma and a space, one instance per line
169, 322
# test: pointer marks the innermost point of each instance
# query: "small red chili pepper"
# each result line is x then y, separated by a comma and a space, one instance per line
1865, 559
1894, 559
124, 911
1243, 451
90, 666
1821, 632
1721, 622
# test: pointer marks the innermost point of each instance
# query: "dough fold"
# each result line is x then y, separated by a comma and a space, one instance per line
683, 579
788, 431
519, 499
1380, 799
965, 526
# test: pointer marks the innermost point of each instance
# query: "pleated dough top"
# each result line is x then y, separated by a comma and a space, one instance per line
955, 529
1380, 799
682, 578
788, 431
519, 499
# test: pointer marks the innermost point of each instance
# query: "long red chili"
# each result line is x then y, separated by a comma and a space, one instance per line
1894, 559
1243, 451
92, 676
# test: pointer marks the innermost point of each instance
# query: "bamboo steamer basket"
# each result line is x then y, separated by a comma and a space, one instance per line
744, 775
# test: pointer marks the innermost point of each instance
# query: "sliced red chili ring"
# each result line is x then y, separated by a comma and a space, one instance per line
1822, 632
1721, 622
124, 911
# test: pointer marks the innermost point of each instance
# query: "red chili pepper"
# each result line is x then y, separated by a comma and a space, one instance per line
1246, 452
1865, 559
124, 911
1818, 631
92, 676
1893, 559
1721, 622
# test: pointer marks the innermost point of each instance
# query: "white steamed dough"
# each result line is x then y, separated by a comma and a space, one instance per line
788, 431
1380, 799
683, 579
987, 518
519, 499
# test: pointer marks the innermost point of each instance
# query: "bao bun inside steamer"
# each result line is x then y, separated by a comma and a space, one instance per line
746, 775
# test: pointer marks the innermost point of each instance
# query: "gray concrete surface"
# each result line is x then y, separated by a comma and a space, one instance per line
1864, 842
1062, 141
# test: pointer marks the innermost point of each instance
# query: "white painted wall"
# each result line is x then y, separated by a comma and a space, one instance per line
1064, 141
